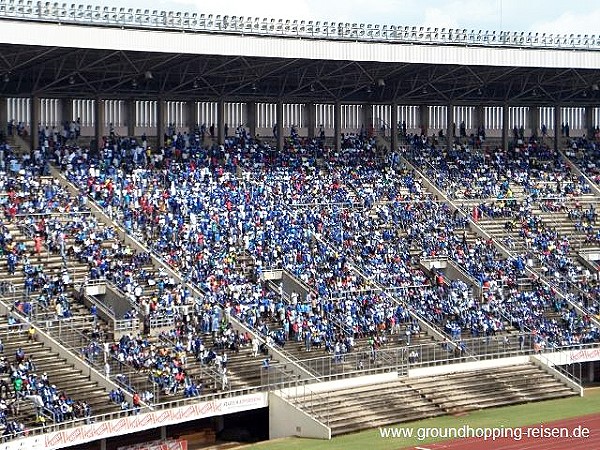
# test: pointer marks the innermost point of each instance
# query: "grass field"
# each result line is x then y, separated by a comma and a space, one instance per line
510, 416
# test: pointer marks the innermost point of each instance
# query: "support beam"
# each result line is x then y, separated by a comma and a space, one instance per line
34, 121
310, 113
424, 114
98, 122
557, 127
534, 120
368, 118
251, 118
66, 105
279, 125
589, 122
3, 117
191, 115
480, 116
221, 122
337, 126
394, 129
450, 125
160, 122
505, 130
131, 117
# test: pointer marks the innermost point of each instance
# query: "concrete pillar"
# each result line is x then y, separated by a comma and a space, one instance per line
102, 444
424, 113
34, 120
479, 116
279, 125
394, 129
3, 116
589, 121
534, 120
191, 115
163, 433
251, 118
591, 365
221, 122
98, 122
309, 111
505, 130
368, 118
160, 122
337, 126
449, 125
131, 117
67, 109
557, 127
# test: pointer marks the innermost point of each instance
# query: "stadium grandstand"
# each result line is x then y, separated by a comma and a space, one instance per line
233, 229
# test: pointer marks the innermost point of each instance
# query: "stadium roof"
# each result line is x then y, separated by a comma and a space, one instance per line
85, 52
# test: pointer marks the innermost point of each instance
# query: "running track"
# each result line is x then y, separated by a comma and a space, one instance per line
592, 422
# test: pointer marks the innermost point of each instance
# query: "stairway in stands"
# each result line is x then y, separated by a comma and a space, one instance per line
408, 399
459, 392
75, 383
358, 408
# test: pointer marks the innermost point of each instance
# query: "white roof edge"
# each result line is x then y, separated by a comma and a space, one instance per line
159, 41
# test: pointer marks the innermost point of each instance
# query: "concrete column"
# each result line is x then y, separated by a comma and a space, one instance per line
34, 120
368, 118
160, 122
589, 121
67, 109
131, 118
424, 113
534, 120
98, 122
279, 125
163, 433
191, 115
3, 116
337, 126
221, 121
479, 116
309, 111
505, 130
251, 118
394, 128
449, 125
557, 127
102, 444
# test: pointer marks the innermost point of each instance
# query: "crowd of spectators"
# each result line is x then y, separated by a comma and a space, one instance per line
199, 208
352, 225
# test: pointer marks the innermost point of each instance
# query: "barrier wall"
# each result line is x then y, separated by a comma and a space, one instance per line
286, 420
135, 423
466, 367
573, 356
346, 383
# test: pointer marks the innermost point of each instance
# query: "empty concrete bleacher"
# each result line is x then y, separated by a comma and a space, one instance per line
490, 388
354, 409
409, 399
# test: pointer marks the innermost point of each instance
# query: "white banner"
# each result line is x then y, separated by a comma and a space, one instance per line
139, 422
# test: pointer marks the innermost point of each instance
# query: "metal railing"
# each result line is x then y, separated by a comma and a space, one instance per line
306, 399
69, 424
158, 258
359, 363
509, 253
230, 24
432, 354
